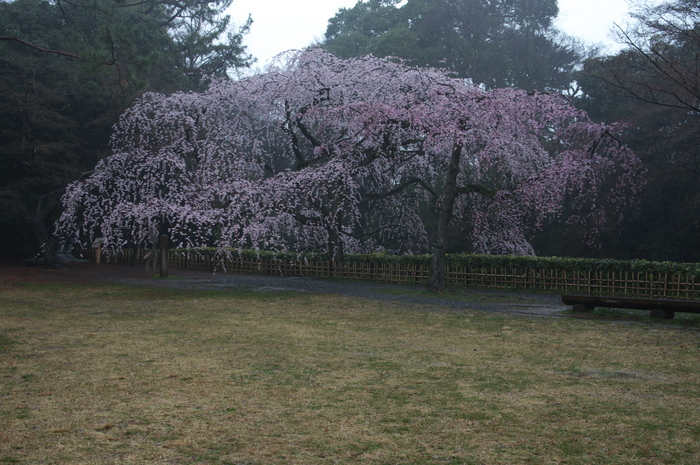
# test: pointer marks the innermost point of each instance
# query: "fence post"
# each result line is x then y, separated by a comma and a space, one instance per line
97, 246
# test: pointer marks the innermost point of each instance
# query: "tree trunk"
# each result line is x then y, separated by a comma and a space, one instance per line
336, 254
135, 254
49, 242
36, 221
438, 262
163, 256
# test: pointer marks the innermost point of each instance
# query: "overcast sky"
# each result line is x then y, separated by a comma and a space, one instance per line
280, 25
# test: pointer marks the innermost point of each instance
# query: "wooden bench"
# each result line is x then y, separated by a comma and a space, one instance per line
660, 308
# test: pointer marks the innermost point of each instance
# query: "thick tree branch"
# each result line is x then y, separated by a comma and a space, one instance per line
40, 209
304, 219
305, 131
286, 126
476, 189
41, 49
401, 187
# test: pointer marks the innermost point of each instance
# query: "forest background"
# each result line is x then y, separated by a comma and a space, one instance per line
68, 69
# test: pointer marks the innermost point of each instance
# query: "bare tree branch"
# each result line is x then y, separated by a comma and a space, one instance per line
41, 49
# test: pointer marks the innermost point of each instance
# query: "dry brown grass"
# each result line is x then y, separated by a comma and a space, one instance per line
95, 374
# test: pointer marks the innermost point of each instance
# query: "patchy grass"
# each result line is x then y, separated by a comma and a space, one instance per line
688, 320
105, 374
464, 295
5, 342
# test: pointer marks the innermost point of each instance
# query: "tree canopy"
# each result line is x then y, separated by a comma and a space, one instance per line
496, 43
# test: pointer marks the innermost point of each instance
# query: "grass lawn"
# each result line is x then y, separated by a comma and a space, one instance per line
98, 374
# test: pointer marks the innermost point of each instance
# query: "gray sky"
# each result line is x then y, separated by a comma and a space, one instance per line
280, 25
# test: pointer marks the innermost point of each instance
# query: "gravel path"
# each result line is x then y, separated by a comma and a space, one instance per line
545, 305
463, 299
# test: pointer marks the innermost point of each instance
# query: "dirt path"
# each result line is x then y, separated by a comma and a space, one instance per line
463, 299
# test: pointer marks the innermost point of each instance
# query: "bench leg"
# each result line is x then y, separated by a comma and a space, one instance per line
581, 308
665, 314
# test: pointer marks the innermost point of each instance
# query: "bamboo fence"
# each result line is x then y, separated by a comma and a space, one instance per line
604, 283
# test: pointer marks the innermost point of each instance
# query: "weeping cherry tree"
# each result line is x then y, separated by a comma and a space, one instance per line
325, 154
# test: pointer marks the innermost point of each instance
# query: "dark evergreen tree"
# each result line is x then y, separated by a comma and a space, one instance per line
496, 43
654, 84
68, 70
